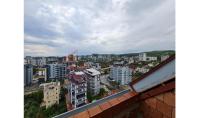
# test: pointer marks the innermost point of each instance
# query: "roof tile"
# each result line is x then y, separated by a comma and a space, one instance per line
128, 95
114, 101
122, 98
132, 93
94, 111
105, 106
83, 114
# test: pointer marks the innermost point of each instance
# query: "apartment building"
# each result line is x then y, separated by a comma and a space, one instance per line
38, 61
164, 57
93, 81
57, 71
152, 58
77, 89
92, 65
142, 57
28, 74
27, 60
121, 74
51, 93
51, 60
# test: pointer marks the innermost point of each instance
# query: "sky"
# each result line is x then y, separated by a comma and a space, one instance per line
61, 27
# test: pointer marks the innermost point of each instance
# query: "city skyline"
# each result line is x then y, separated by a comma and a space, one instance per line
108, 27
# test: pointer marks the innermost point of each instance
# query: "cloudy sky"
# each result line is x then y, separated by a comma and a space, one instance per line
59, 27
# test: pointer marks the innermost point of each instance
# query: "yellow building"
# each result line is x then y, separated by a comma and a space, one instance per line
51, 93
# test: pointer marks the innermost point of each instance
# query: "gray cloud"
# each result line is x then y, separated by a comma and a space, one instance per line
98, 26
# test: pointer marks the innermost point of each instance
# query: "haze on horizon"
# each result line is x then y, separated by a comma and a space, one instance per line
98, 26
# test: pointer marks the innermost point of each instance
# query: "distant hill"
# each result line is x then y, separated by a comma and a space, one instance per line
149, 53
152, 53
159, 53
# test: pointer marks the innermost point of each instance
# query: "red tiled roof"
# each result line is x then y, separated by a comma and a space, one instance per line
94, 111
114, 101
83, 114
105, 105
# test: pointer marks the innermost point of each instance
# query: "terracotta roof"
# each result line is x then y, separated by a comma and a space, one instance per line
77, 78
94, 111
105, 105
122, 98
114, 101
83, 114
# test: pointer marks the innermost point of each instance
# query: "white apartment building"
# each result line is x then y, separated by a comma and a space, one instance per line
164, 57
142, 57
93, 81
51, 93
121, 74
152, 58
77, 89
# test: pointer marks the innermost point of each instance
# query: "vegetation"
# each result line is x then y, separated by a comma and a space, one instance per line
160, 53
32, 103
137, 75
32, 107
115, 84
80, 63
97, 97
51, 111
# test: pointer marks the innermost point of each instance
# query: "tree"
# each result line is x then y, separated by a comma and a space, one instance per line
89, 97
102, 91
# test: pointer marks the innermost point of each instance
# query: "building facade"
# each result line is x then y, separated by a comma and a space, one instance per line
57, 71
142, 57
121, 74
38, 61
93, 81
152, 58
77, 89
164, 57
51, 93
28, 74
